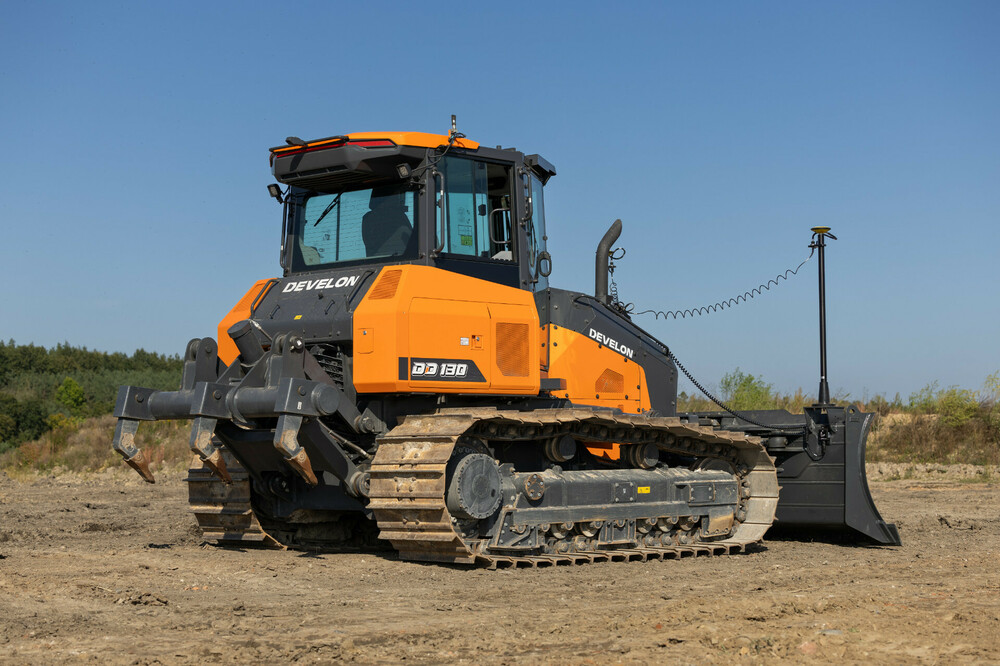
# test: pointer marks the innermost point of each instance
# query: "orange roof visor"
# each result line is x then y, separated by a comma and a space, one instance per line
377, 140
419, 139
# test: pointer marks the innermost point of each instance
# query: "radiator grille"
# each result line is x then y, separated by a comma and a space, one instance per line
610, 382
387, 284
331, 359
512, 349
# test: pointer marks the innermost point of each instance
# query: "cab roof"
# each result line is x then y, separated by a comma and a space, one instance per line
374, 140
361, 156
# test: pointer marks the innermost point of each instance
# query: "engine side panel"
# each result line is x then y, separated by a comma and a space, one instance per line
420, 329
595, 374
609, 341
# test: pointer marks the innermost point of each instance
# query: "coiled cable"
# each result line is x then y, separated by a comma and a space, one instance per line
736, 300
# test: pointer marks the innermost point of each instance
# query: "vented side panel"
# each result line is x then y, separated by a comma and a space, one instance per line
331, 359
387, 284
512, 349
610, 382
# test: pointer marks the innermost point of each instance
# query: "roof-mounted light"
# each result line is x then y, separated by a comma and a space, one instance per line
275, 191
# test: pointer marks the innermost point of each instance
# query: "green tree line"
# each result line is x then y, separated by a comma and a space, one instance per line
953, 405
41, 389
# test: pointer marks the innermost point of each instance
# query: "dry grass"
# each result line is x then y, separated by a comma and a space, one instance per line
85, 446
957, 473
930, 438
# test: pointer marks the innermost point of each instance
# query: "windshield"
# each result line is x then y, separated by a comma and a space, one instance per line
374, 223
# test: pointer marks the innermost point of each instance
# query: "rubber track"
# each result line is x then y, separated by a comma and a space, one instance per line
222, 510
408, 479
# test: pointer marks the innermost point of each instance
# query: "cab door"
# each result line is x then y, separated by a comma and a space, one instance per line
480, 215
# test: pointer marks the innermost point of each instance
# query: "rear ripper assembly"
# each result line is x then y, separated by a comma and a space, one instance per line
412, 379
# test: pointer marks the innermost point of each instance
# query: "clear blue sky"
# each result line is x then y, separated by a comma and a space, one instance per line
135, 141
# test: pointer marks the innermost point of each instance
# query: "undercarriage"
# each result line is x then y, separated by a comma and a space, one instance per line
466, 486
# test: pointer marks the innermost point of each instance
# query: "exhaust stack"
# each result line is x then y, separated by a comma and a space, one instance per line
603, 252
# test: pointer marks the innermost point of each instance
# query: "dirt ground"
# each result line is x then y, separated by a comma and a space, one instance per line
107, 569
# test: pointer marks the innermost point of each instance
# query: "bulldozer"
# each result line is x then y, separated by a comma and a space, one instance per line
413, 380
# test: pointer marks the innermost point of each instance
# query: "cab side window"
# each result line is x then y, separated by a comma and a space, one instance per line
478, 209
538, 267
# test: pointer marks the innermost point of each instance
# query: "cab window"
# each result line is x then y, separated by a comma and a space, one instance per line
373, 223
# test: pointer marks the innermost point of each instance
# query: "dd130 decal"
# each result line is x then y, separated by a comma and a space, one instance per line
439, 370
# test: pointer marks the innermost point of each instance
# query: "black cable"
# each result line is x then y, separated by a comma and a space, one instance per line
452, 137
628, 308
617, 253
715, 307
721, 404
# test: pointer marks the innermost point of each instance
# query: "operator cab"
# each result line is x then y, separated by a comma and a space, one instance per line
391, 198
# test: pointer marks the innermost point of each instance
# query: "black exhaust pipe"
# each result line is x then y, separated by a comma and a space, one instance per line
603, 252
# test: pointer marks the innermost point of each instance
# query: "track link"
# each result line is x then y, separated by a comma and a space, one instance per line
223, 510
408, 480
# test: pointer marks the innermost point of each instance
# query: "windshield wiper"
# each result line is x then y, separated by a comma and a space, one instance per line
333, 204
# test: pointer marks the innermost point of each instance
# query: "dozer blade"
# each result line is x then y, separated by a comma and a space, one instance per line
820, 456
825, 485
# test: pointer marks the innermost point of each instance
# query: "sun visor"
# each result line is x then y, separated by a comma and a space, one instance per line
344, 165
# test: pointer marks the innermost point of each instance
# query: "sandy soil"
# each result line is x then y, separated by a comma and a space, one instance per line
107, 569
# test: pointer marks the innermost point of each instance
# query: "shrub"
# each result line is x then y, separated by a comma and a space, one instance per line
70, 395
32, 419
924, 400
746, 392
957, 406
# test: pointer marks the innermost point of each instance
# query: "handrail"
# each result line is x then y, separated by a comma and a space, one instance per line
435, 174
262, 293
490, 226
529, 204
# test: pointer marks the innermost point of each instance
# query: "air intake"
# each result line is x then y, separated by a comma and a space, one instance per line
610, 382
512, 349
387, 284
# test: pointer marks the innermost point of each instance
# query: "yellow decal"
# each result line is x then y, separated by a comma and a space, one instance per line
298, 316
642, 490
